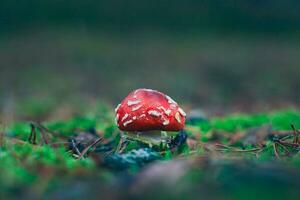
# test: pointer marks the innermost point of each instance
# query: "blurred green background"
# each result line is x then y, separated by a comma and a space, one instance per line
58, 57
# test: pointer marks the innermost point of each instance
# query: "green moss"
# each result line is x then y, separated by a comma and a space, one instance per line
280, 120
283, 120
21, 130
69, 126
24, 164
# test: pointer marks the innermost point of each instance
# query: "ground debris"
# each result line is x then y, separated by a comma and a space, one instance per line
134, 158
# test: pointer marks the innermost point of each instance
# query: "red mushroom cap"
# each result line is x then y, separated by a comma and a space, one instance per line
146, 110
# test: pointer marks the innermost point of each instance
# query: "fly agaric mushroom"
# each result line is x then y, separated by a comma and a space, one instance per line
145, 110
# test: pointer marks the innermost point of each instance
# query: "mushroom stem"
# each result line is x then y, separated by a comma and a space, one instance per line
152, 138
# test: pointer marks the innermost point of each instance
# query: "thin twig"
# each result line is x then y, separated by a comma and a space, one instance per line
90, 146
232, 149
75, 146
289, 143
121, 141
257, 152
275, 150
124, 145
295, 134
44, 136
32, 136
240, 150
222, 145
284, 147
41, 126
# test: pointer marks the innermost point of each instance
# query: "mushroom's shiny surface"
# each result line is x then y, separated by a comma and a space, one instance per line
149, 110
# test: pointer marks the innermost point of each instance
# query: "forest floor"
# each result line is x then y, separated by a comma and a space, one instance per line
238, 156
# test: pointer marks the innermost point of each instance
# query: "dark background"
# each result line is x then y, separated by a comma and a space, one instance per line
59, 56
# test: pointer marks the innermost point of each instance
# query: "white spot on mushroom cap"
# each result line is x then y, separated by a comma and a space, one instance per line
134, 118
117, 118
167, 111
164, 109
166, 122
134, 102
136, 91
117, 108
127, 122
143, 89
141, 116
154, 113
177, 117
170, 100
149, 90
136, 108
124, 117
181, 112
173, 106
